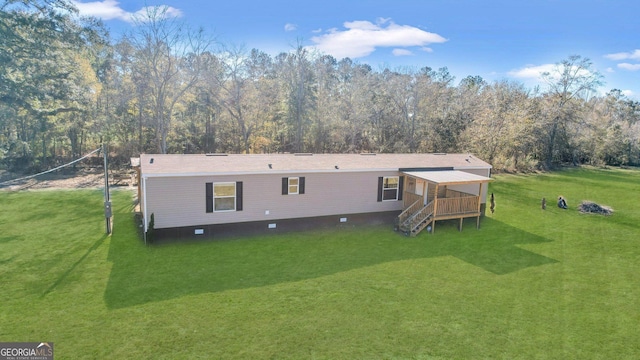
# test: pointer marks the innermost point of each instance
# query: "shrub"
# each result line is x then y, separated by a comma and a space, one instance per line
150, 230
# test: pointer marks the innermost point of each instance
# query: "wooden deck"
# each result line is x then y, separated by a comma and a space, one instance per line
430, 196
455, 205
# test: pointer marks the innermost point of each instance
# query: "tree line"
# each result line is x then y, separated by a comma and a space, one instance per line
66, 87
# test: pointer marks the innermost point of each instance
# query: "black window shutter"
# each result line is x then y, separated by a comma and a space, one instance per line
301, 185
209, 197
380, 181
239, 196
285, 186
400, 187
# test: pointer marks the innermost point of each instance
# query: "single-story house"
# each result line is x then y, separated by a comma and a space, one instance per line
213, 195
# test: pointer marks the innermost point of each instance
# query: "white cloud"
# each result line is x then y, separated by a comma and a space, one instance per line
634, 55
401, 52
160, 11
630, 67
361, 38
110, 10
290, 27
610, 70
532, 71
106, 10
535, 72
628, 93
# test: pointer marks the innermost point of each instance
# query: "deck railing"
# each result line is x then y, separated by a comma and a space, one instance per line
409, 211
409, 198
456, 194
421, 216
457, 205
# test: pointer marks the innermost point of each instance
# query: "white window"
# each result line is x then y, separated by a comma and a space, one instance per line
390, 188
294, 186
224, 196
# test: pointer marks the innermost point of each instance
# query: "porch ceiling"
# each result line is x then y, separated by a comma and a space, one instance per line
448, 177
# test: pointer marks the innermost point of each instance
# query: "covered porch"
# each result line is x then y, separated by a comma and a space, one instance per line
430, 196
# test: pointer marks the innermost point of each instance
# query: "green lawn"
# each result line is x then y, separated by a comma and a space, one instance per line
529, 284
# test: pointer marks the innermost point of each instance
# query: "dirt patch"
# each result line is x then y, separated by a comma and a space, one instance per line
83, 178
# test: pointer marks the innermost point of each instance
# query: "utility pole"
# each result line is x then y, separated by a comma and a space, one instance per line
107, 198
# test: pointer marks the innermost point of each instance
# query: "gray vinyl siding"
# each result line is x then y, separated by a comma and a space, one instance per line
180, 201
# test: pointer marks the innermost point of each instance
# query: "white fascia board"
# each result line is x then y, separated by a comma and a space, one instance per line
472, 167
144, 206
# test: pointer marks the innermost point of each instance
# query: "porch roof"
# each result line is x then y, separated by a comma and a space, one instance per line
448, 177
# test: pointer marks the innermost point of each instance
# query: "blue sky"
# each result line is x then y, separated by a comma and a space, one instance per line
496, 39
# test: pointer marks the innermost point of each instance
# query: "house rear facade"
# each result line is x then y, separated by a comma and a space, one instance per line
217, 195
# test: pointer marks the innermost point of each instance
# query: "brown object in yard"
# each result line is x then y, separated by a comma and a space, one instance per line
544, 204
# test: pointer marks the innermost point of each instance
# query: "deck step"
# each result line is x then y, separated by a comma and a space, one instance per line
408, 231
421, 226
417, 221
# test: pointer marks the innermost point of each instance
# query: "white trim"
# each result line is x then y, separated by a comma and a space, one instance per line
144, 205
235, 200
397, 188
296, 185
461, 168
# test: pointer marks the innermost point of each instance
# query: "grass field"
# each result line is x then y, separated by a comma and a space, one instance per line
552, 284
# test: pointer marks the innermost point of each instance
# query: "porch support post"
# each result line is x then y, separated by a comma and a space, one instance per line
435, 203
479, 197
479, 203
406, 202
435, 209
425, 192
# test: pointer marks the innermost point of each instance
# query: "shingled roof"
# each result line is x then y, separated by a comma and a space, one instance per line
185, 165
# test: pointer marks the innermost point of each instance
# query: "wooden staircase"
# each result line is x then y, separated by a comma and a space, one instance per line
415, 218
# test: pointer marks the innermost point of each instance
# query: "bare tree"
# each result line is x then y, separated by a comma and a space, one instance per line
298, 78
502, 132
168, 56
571, 82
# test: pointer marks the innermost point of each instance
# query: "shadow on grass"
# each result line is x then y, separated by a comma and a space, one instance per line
147, 274
493, 248
604, 176
6, 239
75, 265
7, 260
